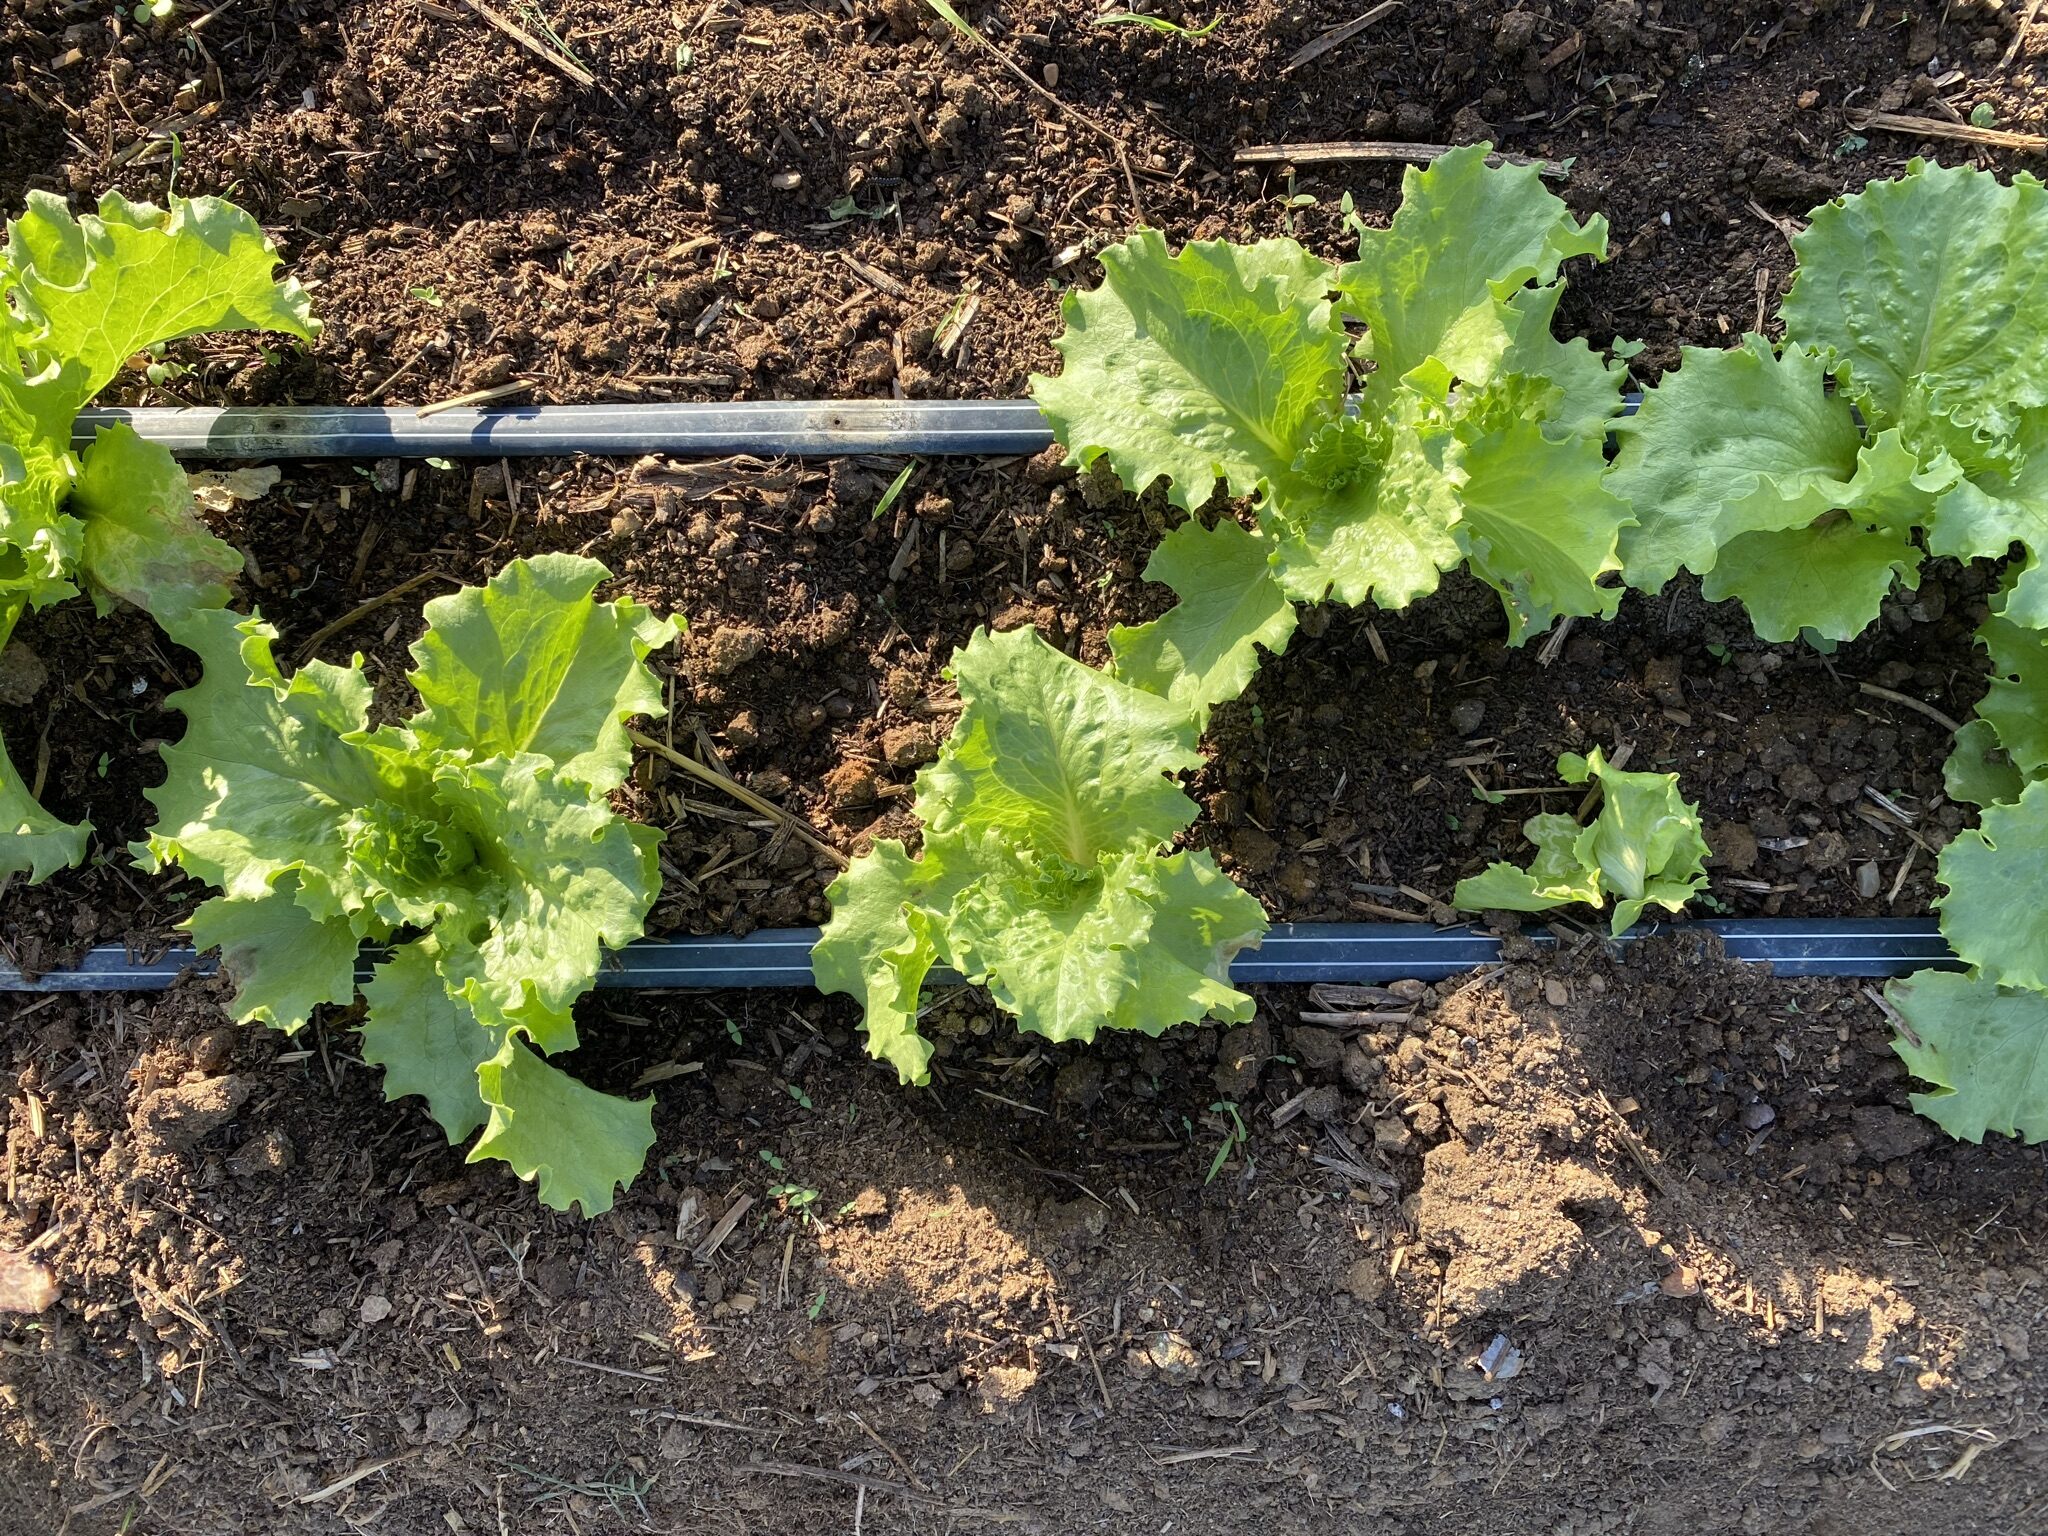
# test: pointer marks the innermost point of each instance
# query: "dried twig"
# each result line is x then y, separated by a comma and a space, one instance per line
959, 24
1892, 695
2019, 36
1376, 149
532, 44
1319, 46
327, 632
1962, 133
741, 793
475, 397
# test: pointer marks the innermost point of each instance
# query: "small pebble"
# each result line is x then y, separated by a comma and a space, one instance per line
1756, 1116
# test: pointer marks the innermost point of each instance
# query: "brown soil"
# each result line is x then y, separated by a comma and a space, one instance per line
1688, 1195
272, 1281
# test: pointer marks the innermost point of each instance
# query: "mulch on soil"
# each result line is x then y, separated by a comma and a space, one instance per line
1691, 1198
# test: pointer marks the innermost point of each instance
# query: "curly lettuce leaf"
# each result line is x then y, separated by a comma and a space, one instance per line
39, 542
531, 662
1204, 650
510, 873
2001, 502
1056, 756
96, 290
1977, 771
1983, 1046
1995, 912
1538, 526
1643, 849
575, 1144
2015, 705
1368, 512
1213, 364
143, 542
1466, 234
32, 841
1041, 875
285, 962
1829, 577
1929, 291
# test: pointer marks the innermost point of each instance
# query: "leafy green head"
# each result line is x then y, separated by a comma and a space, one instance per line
474, 838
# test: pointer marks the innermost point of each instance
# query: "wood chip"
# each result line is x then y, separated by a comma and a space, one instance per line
874, 277
718, 1234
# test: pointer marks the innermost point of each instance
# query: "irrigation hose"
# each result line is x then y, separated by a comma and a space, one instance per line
1292, 952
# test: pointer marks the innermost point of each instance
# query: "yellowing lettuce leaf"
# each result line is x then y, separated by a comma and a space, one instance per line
502, 872
1041, 875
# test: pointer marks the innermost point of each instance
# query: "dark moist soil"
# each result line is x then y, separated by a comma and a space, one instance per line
1691, 1197
469, 215
1677, 1209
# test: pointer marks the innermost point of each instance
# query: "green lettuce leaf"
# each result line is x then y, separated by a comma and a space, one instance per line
507, 866
1984, 1047
1934, 284
1465, 234
1995, 914
1041, 876
1204, 650
576, 1144
532, 663
78, 298
98, 290
2003, 501
1829, 577
1056, 757
2015, 705
1643, 849
1978, 772
1215, 364
143, 542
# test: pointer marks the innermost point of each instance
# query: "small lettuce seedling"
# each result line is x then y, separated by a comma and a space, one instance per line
78, 298
1643, 849
1042, 876
474, 838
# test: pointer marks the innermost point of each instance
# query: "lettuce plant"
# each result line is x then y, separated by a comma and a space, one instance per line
1643, 849
78, 298
1919, 305
1476, 437
1041, 875
474, 838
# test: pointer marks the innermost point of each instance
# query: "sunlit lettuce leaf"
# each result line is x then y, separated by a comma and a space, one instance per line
1041, 875
1983, 1046
1056, 756
1935, 282
1537, 524
509, 874
1367, 513
1643, 849
284, 961
531, 662
1203, 651
143, 541
1464, 235
1995, 912
1215, 363
39, 542
96, 290
575, 1144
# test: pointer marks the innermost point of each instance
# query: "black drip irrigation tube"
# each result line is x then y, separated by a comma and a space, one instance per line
1292, 952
